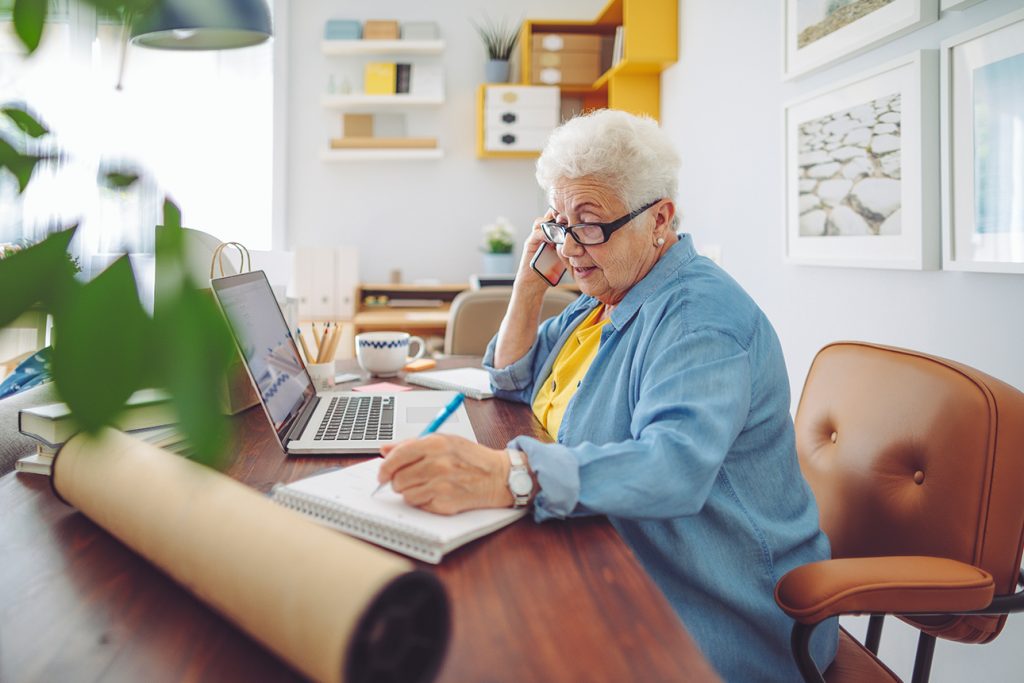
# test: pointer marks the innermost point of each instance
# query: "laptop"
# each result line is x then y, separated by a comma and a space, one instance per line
329, 423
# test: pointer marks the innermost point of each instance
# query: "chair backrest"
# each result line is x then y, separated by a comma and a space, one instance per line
476, 315
910, 454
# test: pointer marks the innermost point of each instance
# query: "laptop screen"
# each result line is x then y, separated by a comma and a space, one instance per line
267, 345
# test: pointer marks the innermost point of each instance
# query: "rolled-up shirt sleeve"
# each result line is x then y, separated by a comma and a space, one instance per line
690, 402
515, 382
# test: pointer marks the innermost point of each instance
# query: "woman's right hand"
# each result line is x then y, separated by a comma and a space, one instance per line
526, 276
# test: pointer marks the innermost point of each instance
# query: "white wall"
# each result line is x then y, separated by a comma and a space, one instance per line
722, 104
428, 224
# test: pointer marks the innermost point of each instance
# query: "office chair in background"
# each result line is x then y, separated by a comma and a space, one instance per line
476, 315
917, 464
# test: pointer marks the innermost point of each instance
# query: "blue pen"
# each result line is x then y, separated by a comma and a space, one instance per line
445, 413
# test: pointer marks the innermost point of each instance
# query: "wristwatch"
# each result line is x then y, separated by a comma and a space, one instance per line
520, 483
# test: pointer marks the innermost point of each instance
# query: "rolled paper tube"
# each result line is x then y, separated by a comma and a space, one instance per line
331, 606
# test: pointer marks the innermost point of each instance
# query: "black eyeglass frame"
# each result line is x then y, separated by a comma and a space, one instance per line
556, 232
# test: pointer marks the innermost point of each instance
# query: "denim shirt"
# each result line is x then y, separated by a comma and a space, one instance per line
680, 433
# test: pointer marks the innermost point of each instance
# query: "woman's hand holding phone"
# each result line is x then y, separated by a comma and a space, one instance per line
540, 256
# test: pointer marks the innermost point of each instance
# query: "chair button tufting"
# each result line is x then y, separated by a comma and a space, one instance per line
919, 477
834, 437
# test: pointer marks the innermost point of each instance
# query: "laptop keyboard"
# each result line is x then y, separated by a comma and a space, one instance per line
358, 418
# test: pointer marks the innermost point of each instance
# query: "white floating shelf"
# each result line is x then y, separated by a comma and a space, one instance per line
378, 102
382, 47
380, 154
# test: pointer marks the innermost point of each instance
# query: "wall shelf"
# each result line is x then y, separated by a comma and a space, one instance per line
362, 102
331, 155
382, 47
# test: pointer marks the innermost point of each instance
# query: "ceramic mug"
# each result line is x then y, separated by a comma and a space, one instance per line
385, 353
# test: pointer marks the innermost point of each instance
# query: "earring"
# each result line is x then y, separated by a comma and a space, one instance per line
660, 241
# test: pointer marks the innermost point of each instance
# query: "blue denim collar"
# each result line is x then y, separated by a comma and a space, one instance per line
675, 258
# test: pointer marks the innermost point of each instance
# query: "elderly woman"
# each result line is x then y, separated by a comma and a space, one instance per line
665, 388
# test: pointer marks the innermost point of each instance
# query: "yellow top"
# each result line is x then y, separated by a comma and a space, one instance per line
568, 371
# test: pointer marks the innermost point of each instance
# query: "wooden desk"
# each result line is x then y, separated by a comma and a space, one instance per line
560, 601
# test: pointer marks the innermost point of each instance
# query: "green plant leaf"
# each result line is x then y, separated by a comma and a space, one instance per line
20, 165
25, 121
29, 17
195, 348
119, 180
37, 274
104, 343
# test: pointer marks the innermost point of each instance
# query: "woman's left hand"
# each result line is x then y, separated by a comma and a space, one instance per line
446, 474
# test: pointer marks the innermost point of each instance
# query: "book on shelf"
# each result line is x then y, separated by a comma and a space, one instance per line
618, 46
427, 80
379, 78
53, 424
473, 382
403, 77
167, 437
344, 499
361, 142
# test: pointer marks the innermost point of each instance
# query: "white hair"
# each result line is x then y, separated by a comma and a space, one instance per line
629, 154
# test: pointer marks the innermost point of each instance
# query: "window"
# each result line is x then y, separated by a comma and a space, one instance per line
197, 124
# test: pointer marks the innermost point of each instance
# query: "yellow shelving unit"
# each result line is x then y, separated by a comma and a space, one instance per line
650, 44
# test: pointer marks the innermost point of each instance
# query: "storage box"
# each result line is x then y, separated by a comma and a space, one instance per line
420, 30
342, 29
518, 118
566, 42
380, 29
566, 68
357, 125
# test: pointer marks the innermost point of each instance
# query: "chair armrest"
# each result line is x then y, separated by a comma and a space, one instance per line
882, 585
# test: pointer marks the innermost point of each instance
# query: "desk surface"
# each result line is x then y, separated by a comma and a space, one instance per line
559, 601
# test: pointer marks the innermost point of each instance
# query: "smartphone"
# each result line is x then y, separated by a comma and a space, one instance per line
547, 264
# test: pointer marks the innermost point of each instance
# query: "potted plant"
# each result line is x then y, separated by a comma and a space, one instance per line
499, 39
499, 240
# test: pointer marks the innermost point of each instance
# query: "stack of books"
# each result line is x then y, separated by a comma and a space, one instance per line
148, 416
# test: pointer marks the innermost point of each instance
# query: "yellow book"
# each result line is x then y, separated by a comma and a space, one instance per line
380, 78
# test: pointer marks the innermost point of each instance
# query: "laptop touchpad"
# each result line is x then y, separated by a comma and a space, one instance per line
421, 415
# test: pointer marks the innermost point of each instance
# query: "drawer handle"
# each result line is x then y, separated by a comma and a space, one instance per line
508, 117
508, 138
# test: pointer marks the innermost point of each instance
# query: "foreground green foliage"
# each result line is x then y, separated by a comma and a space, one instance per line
107, 346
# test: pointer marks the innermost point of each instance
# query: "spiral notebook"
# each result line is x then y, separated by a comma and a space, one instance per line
343, 499
473, 382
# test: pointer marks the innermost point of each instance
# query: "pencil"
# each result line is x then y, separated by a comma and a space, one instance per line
316, 337
332, 343
323, 341
302, 342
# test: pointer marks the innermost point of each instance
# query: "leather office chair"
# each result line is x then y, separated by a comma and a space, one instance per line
917, 464
476, 315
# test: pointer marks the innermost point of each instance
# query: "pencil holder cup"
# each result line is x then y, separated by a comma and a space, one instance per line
322, 375
385, 353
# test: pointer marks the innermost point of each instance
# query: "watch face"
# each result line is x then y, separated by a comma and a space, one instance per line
520, 483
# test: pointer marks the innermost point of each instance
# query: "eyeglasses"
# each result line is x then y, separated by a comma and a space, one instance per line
589, 233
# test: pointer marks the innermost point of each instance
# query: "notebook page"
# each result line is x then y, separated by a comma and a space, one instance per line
351, 487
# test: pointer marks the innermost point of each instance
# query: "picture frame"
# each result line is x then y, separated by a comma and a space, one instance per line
821, 32
956, 5
982, 145
862, 169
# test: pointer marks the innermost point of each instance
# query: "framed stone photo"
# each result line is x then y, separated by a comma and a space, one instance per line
821, 32
862, 169
983, 147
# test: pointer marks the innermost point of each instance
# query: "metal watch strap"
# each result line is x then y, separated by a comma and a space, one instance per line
516, 465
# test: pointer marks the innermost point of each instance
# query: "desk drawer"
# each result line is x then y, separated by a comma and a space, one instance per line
521, 140
522, 96
513, 118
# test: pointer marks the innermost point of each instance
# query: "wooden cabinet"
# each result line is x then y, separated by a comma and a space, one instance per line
649, 44
515, 120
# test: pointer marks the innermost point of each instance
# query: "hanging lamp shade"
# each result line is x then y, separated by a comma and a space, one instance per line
203, 24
